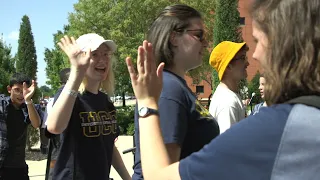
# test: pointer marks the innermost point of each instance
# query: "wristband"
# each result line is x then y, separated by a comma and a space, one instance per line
30, 102
70, 92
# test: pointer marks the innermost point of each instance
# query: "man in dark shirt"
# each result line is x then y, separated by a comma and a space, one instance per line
17, 111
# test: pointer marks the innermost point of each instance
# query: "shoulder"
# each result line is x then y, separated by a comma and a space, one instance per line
252, 142
173, 88
223, 100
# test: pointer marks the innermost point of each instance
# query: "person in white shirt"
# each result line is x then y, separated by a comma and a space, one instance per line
48, 108
229, 60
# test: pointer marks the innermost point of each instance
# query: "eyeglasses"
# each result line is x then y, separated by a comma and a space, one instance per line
199, 33
109, 54
17, 91
242, 57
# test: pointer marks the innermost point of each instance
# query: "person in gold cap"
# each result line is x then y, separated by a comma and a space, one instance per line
229, 59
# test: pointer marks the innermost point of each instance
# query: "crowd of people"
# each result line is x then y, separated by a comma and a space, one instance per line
176, 137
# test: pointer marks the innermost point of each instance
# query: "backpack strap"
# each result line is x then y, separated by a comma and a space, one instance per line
312, 100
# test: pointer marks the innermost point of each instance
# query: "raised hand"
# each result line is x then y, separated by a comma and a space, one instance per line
78, 58
28, 91
147, 83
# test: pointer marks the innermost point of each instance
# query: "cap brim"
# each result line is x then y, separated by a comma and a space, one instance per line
109, 43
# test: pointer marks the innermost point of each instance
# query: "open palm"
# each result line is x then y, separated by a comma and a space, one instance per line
78, 58
28, 91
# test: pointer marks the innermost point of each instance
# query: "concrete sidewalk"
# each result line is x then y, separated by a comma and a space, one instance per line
37, 169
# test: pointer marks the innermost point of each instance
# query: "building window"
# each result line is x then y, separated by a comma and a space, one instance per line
242, 21
199, 89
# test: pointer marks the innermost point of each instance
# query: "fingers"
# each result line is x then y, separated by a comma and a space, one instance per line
160, 70
61, 46
141, 60
73, 40
132, 73
67, 39
149, 58
34, 83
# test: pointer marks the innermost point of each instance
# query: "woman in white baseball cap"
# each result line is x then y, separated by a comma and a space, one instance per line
83, 113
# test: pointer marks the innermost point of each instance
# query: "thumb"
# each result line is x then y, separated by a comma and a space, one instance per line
160, 70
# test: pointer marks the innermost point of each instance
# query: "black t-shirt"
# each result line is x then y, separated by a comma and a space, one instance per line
183, 120
17, 138
87, 142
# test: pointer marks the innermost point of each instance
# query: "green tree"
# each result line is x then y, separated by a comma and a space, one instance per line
46, 91
27, 57
6, 66
26, 63
56, 60
226, 28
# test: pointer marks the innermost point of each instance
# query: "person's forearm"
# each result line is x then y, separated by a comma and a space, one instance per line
33, 115
118, 164
60, 114
154, 157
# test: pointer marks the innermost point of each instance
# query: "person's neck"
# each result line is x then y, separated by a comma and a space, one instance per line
231, 84
15, 105
93, 87
179, 72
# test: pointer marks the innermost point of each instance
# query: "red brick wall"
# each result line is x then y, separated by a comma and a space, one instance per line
254, 66
206, 87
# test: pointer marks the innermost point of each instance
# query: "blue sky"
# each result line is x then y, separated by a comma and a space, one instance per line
46, 17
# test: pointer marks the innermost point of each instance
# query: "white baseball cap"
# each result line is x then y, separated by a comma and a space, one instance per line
94, 41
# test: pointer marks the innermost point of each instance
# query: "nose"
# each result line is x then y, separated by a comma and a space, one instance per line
247, 63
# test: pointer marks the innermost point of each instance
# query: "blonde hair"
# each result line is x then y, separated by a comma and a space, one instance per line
107, 85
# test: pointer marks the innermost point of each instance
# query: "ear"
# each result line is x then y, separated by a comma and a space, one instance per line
173, 39
9, 89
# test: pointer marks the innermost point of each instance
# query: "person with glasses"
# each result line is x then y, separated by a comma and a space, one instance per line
229, 60
16, 112
83, 113
282, 141
178, 40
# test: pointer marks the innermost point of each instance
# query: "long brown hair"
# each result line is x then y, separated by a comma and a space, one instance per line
293, 60
172, 19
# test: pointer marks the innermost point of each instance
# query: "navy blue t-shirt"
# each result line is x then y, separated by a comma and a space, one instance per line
247, 151
87, 143
184, 121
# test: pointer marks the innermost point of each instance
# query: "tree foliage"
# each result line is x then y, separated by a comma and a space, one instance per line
26, 62
6, 66
46, 91
56, 60
124, 21
227, 28
27, 57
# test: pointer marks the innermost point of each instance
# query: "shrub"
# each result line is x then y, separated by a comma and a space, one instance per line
125, 119
33, 137
254, 87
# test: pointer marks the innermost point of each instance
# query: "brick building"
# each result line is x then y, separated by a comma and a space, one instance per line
203, 89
